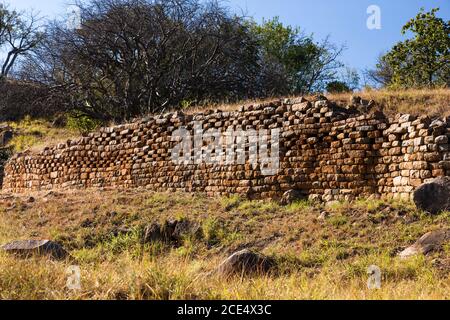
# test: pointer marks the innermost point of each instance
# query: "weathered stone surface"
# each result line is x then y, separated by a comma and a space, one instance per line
323, 215
429, 242
5, 153
153, 233
328, 152
172, 231
186, 228
244, 263
292, 196
441, 140
433, 197
302, 107
6, 134
27, 248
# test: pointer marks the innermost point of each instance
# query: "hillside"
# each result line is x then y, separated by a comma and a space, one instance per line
434, 103
194, 152
431, 102
321, 252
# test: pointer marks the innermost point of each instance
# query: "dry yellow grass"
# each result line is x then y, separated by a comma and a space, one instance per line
316, 259
432, 102
33, 135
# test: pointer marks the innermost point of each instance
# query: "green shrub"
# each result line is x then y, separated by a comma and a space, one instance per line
82, 122
338, 87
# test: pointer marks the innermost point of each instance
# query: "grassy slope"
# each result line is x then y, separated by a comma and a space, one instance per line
317, 259
35, 134
414, 101
432, 102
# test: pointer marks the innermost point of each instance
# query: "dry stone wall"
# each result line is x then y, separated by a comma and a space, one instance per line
5, 152
4, 155
325, 151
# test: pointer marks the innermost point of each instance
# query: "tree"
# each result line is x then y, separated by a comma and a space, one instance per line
131, 57
383, 73
350, 77
18, 37
423, 60
292, 62
338, 87
324, 66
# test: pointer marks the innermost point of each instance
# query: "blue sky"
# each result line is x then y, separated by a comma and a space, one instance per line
343, 20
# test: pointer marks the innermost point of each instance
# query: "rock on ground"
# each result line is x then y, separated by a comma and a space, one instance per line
153, 233
292, 196
433, 197
27, 248
429, 242
245, 262
171, 231
188, 229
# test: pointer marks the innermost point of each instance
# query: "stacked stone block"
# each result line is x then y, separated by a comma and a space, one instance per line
416, 151
326, 151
